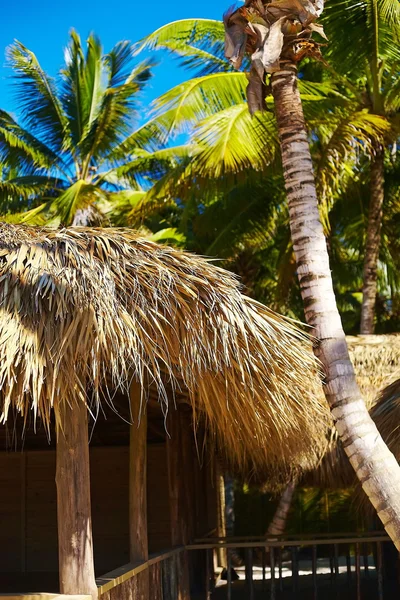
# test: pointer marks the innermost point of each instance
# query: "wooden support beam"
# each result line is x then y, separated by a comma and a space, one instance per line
43, 596
221, 525
138, 542
177, 494
75, 542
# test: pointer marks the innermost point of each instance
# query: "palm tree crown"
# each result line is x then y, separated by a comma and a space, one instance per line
74, 149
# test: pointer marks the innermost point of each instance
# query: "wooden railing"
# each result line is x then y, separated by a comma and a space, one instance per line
276, 567
162, 570
315, 566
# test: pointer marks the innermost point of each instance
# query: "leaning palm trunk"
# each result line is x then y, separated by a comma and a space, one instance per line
279, 520
374, 464
372, 245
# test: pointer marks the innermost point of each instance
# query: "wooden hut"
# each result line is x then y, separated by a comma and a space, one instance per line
125, 368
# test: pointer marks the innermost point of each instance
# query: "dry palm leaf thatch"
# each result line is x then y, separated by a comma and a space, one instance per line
83, 307
376, 359
386, 414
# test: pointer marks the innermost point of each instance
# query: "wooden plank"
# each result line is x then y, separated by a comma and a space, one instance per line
119, 576
155, 582
287, 544
139, 550
45, 597
75, 542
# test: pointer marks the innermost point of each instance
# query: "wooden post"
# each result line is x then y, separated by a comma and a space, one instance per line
138, 542
75, 542
221, 526
178, 509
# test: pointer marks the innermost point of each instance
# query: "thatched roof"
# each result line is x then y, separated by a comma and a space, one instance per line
376, 359
386, 414
83, 307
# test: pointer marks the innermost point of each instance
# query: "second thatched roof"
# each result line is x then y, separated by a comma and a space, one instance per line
376, 359
83, 307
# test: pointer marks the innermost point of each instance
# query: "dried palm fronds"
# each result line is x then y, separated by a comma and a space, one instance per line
83, 307
386, 414
262, 29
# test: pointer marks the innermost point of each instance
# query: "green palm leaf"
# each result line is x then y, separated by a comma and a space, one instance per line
197, 43
186, 104
220, 142
37, 98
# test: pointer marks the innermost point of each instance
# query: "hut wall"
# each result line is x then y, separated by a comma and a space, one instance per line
158, 508
12, 507
28, 510
28, 507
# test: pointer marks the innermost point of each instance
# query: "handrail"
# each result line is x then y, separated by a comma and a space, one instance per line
263, 543
294, 537
122, 574
110, 580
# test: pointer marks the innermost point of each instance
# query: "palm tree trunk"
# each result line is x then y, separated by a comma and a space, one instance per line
278, 523
374, 464
372, 245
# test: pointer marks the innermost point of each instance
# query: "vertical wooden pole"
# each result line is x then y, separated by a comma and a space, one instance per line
176, 483
23, 511
138, 542
221, 525
75, 542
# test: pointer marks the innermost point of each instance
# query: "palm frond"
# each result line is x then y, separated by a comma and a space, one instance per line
28, 187
36, 217
147, 137
146, 166
114, 118
186, 104
354, 134
350, 27
169, 235
197, 43
220, 142
36, 95
30, 150
77, 196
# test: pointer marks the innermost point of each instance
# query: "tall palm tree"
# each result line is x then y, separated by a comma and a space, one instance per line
75, 146
229, 141
285, 40
364, 53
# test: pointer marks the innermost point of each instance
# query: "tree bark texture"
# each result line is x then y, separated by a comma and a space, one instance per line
75, 542
279, 520
138, 542
372, 245
375, 466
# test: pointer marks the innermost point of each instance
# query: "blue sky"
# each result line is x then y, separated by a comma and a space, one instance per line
43, 25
